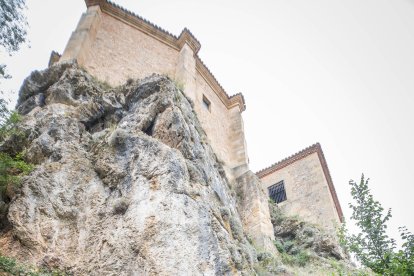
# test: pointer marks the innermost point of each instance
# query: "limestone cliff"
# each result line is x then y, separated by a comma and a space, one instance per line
124, 183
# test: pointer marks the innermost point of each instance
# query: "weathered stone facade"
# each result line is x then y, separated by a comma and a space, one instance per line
308, 185
115, 45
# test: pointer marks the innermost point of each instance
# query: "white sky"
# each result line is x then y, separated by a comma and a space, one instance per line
336, 72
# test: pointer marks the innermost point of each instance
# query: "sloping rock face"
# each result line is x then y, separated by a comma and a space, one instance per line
124, 183
295, 235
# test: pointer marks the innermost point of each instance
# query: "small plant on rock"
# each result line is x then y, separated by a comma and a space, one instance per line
12, 165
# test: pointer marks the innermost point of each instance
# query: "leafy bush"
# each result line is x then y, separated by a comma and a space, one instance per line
372, 246
12, 168
302, 258
291, 253
12, 164
279, 246
276, 214
299, 259
11, 267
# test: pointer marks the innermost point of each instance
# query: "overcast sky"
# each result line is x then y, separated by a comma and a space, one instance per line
336, 72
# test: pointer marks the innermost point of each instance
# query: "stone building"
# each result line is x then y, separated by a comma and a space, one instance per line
302, 185
114, 45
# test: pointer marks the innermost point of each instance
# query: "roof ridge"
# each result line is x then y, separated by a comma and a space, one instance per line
141, 18
175, 41
214, 78
188, 30
288, 159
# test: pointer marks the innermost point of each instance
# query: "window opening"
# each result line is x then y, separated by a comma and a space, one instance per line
206, 103
277, 192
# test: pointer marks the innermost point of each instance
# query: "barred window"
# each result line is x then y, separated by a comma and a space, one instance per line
277, 192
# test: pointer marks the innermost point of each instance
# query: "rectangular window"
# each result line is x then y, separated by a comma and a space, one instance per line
206, 103
277, 192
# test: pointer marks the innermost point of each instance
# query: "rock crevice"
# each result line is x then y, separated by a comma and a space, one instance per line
124, 183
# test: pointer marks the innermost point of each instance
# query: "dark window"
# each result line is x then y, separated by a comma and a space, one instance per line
206, 103
277, 192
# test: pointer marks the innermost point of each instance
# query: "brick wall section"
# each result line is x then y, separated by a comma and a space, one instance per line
83, 37
307, 190
120, 52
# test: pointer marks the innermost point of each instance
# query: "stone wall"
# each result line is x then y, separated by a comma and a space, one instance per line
120, 52
255, 211
307, 191
217, 122
115, 45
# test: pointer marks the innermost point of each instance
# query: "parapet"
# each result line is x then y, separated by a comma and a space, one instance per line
158, 33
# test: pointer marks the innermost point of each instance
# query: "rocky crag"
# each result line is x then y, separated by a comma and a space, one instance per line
124, 183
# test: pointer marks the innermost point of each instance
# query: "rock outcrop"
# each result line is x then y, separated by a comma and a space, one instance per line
305, 249
124, 182
294, 235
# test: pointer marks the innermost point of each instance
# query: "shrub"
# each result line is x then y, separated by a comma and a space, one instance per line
12, 164
302, 258
12, 168
236, 229
372, 246
299, 259
277, 215
10, 266
279, 246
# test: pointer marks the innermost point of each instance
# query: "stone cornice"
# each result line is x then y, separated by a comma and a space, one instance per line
316, 148
186, 37
229, 101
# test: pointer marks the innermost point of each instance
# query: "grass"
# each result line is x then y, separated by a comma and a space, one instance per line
291, 254
300, 258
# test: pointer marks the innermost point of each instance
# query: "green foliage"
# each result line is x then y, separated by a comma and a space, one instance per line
372, 246
12, 24
12, 28
12, 165
8, 122
11, 267
292, 254
267, 264
276, 213
299, 259
402, 261
236, 229
3, 72
342, 236
339, 267
279, 246
12, 168
179, 84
